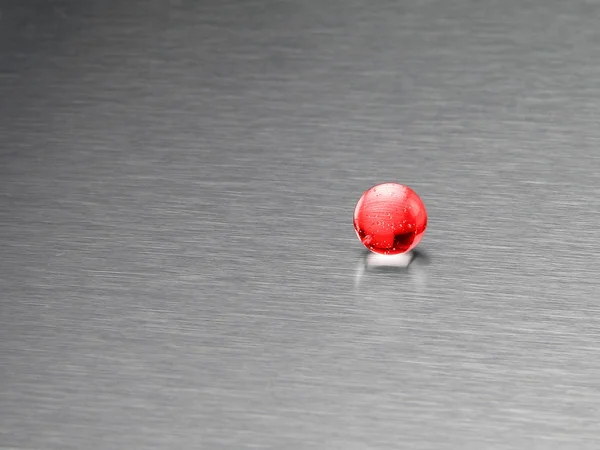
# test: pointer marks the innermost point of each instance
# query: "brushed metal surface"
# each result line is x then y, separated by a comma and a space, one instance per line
178, 267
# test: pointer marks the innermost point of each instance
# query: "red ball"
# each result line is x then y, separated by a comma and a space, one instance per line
390, 218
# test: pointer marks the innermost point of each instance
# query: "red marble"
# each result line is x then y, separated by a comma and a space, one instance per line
390, 218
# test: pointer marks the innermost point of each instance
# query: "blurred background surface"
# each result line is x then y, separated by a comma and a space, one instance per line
178, 267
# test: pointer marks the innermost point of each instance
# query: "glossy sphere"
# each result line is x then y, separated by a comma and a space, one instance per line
390, 218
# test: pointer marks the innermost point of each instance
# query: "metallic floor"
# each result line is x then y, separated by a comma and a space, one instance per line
178, 267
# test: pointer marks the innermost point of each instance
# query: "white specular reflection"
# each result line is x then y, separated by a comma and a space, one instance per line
376, 262
402, 260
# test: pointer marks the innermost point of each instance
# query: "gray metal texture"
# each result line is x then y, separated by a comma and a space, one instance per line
178, 265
